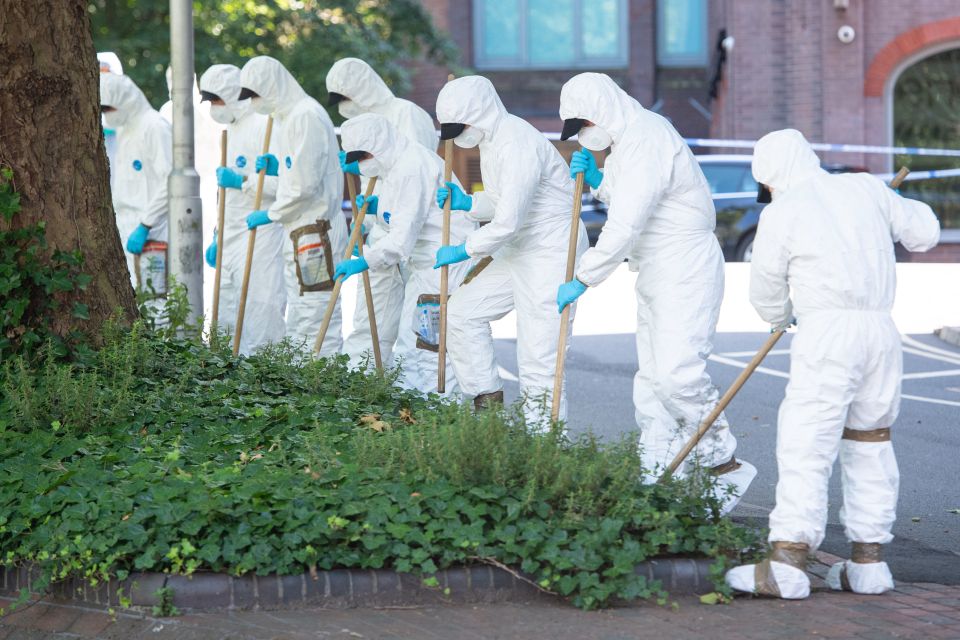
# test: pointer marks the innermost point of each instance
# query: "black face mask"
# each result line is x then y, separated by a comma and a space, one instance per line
571, 127
764, 196
450, 130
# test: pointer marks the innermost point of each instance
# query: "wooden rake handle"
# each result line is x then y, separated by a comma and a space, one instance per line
221, 214
251, 244
354, 239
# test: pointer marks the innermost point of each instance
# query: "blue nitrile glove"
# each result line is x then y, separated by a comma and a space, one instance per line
584, 162
451, 255
460, 201
351, 167
228, 178
137, 239
211, 254
568, 292
371, 208
270, 162
257, 218
349, 268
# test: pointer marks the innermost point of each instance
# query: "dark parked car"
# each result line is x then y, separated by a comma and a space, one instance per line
734, 196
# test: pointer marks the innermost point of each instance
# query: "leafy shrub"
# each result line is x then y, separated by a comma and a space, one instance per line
32, 281
165, 455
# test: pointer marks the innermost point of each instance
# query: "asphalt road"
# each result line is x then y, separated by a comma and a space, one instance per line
926, 436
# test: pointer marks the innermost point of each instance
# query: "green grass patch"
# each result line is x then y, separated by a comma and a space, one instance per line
164, 455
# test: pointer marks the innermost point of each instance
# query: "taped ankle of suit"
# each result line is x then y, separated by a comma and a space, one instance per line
866, 552
872, 435
793, 554
725, 467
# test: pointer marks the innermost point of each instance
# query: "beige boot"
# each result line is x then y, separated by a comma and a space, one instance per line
488, 401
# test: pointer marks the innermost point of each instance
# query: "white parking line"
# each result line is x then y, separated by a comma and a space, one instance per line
750, 354
916, 344
743, 365
943, 373
949, 403
507, 375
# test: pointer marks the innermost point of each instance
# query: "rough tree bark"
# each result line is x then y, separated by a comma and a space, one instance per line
50, 135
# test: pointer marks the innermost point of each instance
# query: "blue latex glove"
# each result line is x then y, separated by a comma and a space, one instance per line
349, 268
372, 207
584, 162
451, 255
228, 178
568, 292
460, 201
211, 253
137, 239
352, 167
270, 162
257, 218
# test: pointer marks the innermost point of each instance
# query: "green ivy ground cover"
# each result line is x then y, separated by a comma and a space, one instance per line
164, 455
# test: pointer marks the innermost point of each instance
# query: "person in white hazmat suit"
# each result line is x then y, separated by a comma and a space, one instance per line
411, 222
661, 217
109, 63
263, 321
140, 167
355, 89
824, 254
527, 199
307, 204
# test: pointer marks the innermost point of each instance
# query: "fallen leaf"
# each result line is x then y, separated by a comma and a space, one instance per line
915, 519
407, 416
370, 417
714, 598
380, 426
126, 516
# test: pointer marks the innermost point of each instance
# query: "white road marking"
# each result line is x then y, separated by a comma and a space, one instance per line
949, 403
926, 347
944, 373
750, 354
743, 365
930, 356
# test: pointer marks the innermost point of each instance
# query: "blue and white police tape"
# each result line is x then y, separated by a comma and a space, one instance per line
823, 146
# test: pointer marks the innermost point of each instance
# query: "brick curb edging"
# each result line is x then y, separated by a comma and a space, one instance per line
338, 588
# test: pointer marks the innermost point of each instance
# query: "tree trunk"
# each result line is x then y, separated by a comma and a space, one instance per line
50, 135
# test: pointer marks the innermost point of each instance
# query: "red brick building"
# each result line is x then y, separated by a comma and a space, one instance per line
874, 72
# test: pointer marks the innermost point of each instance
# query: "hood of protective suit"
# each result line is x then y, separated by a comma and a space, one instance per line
597, 98
121, 93
273, 83
374, 134
784, 159
223, 80
473, 101
109, 62
355, 79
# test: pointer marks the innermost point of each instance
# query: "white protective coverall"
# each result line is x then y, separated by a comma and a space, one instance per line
661, 217
824, 254
355, 79
407, 245
266, 297
309, 192
527, 198
142, 164
110, 63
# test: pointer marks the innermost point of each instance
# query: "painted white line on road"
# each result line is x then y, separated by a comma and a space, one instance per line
750, 354
743, 365
907, 340
949, 403
931, 356
944, 373
506, 375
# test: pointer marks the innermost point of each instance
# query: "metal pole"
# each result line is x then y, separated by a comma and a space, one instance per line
186, 210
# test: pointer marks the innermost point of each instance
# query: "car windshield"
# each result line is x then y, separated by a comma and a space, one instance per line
728, 177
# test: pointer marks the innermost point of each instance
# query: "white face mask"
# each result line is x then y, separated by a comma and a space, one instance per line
594, 138
221, 114
469, 138
113, 119
370, 167
261, 106
349, 109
